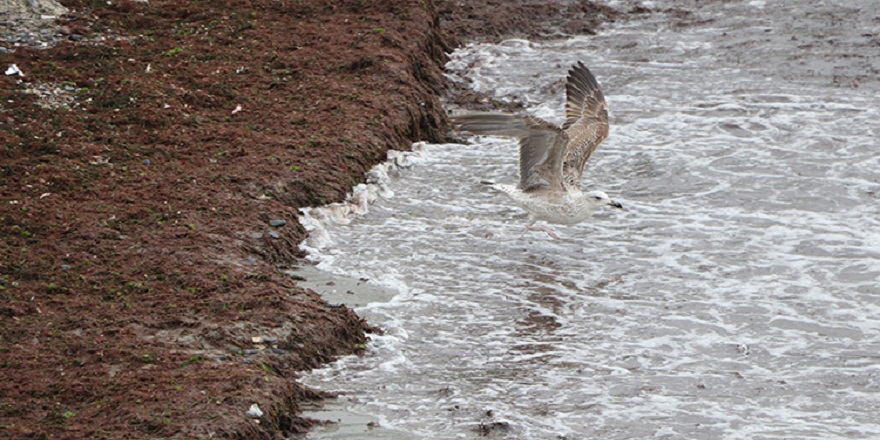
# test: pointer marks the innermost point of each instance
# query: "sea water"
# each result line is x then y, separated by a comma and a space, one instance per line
736, 297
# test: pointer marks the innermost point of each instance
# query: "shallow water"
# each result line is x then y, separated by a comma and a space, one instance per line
737, 297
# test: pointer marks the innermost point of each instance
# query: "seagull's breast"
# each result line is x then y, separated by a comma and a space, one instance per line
553, 207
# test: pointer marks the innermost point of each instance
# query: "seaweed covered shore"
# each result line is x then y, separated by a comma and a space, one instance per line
152, 161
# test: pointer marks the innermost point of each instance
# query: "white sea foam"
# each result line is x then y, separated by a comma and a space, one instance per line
737, 297
357, 204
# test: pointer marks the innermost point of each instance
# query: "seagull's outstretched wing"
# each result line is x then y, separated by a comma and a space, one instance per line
541, 145
586, 122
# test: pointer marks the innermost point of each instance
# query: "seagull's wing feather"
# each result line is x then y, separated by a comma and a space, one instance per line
541, 145
586, 121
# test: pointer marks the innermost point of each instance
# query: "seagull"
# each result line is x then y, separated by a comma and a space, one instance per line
552, 158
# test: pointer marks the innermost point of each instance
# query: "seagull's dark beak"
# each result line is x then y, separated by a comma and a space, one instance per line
616, 204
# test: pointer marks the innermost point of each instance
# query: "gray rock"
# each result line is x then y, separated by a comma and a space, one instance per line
277, 223
274, 234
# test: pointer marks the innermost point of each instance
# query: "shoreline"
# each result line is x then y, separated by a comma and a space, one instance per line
154, 171
336, 421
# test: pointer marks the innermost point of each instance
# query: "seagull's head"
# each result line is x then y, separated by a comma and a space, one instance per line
599, 199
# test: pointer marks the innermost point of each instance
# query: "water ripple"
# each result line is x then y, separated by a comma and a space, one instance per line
737, 296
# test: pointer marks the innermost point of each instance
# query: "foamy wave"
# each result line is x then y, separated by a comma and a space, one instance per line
357, 204
737, 298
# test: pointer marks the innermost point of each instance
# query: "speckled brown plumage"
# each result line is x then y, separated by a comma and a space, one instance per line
552, 158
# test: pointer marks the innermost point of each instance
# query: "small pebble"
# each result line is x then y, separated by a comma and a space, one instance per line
147, 162
278, 351
258, 339
65, 267
274, 234
269, 340
277, 223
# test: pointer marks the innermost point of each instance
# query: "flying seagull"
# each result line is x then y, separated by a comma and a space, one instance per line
552, 158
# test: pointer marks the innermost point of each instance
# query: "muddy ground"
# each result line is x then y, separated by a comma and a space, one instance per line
149, 185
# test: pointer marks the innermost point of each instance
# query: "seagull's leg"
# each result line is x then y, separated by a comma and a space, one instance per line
530, 226
549, 232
